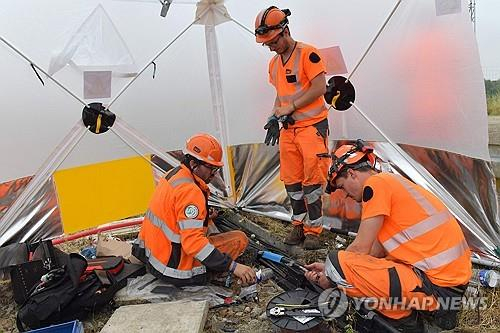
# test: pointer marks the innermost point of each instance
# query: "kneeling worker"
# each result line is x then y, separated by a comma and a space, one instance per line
173, 240
409, 253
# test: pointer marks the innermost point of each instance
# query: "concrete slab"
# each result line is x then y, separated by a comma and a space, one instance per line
179, 316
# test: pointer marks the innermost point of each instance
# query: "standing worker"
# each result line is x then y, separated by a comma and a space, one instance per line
173, 241
410, 253
298, 74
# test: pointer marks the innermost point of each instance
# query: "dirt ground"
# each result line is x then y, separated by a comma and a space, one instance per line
250, 317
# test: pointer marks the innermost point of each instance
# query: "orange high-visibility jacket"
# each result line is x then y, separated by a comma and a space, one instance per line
418, 229
292, 80
174, 232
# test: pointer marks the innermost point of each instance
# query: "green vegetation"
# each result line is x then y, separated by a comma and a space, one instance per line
493, 97
493, 103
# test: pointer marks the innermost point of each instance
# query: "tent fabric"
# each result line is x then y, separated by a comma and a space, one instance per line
95, 45
181, 88
420, 82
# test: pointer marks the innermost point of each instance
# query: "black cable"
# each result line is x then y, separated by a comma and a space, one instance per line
38, 75
154, 69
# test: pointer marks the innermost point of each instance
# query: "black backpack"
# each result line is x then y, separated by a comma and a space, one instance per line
61, 295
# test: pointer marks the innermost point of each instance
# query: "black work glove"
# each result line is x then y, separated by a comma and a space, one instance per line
273, 131
287, 120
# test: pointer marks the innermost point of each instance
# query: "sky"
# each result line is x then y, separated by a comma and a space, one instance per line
488, 36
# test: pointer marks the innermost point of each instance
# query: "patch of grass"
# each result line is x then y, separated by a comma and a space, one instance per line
482, 320
493, 103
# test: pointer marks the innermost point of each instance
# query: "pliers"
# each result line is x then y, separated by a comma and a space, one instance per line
306, 312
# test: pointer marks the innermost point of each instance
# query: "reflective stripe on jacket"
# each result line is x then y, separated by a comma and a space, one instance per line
417, 229
292, 80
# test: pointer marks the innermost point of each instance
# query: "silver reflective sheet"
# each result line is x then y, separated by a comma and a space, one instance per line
470, 182
39, 220
258, 189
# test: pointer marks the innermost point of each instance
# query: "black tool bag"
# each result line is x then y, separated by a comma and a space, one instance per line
26, 274
63, 292
47, 301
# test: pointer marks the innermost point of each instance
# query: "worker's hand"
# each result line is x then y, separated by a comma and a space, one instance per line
273, 131
317, 275
319, 278
245, 274
316, 267
287, 120
212, 213
284, 110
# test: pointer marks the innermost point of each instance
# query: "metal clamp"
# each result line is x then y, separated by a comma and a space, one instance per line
280, 311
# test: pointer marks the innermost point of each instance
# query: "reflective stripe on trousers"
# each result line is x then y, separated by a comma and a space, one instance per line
313, 193
334, 271
299, 210
169, 271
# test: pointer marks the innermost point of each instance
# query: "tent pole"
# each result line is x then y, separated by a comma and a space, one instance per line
159, 169
374, 39
154, 58
41, 176
216, 88
235, 21
461, 214
120, 128
41, 70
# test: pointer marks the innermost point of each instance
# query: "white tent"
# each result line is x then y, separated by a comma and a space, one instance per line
414, 64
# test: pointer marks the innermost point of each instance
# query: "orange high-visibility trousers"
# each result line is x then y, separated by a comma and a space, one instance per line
304, 174
395, 287
232, 242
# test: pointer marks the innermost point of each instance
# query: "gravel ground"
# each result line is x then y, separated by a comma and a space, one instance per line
250, 317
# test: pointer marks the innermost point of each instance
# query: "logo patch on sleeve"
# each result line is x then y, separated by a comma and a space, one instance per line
191, 211
314, 57
367, 193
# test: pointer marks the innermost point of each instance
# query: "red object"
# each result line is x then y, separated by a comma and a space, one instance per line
114, 265
125, 224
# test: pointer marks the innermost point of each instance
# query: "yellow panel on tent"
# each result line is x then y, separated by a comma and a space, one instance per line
94, 194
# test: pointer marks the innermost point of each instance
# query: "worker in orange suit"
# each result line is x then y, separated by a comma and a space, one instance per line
298, 74
173, 240
410, 252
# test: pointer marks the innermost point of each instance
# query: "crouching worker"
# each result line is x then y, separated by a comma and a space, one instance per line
173, 240
410, 253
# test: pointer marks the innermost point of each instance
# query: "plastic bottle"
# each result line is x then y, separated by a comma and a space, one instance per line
485, 277
340, 242
264, 274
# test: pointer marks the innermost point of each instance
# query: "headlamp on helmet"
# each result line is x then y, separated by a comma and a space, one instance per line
264, 28
350, 156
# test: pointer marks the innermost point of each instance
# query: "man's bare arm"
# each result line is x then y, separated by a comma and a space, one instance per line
367, 234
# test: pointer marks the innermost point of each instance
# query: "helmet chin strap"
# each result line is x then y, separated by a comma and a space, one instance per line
195, 173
